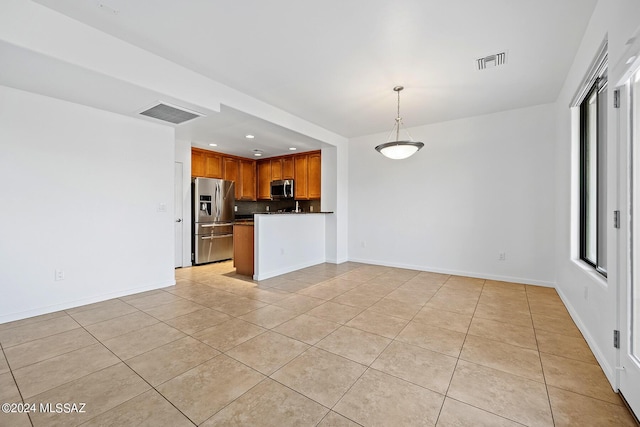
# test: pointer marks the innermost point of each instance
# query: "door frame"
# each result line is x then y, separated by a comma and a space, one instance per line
178, 176
627, 366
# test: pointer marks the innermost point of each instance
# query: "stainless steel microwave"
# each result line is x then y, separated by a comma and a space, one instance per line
282, 189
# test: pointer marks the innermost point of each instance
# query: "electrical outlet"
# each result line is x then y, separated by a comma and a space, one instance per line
281, 251
235, 209
162, 207
586, 292
59, 275
363, 244
502, 256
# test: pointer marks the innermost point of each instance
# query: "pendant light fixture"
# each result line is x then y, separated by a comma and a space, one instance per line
399, 149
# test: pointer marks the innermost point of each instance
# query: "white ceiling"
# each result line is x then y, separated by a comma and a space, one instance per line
334, 62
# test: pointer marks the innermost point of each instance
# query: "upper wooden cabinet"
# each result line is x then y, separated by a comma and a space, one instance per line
247, 179
253, 179
282, 168
213, 165
276, 169
206, 163
209, 164
243, 173
307, 178
264, 180
197, 162
315, 176
231, 169
301, 177
287, 168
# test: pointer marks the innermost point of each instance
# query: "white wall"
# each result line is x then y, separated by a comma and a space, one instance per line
80, 192
335, 199
183, 155
289, 242
480, 186
591, 299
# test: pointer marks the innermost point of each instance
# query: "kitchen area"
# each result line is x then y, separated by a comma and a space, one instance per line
263, 214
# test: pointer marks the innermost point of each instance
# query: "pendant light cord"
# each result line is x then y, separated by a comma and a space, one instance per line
398, 119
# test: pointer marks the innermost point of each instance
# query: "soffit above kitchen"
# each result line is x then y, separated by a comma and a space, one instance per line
333, 63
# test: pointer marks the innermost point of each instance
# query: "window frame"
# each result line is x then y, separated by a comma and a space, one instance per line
597, 82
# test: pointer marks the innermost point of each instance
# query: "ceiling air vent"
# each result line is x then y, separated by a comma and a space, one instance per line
170, 113
492, 61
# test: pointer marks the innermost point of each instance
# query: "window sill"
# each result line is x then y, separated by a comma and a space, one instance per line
590, 271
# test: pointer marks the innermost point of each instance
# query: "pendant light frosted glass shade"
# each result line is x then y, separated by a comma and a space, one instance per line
399, 149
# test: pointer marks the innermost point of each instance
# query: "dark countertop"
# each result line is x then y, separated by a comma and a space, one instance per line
291, 213
246, 222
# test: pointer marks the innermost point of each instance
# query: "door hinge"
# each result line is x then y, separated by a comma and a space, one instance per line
616, 98
616, 219
616, 339
193, 256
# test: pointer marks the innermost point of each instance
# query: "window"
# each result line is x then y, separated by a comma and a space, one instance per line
593, 167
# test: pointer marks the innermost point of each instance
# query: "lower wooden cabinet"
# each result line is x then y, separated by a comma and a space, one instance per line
243, 249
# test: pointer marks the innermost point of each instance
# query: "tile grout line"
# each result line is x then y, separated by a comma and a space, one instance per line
544, 377
139, 376
14, 381
446, 393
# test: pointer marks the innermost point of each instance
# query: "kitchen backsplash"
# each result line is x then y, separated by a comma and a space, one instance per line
248, 208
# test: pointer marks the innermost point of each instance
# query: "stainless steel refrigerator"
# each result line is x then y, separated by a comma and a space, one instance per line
213, 215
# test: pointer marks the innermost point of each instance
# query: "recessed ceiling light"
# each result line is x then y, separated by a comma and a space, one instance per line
213, 145
292, 148
249, 136
631, 59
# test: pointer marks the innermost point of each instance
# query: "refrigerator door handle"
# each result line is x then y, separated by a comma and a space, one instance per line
219, 236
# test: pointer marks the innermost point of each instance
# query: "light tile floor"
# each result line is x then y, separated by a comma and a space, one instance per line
330, 345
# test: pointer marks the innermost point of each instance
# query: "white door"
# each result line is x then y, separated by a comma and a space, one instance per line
177, 203
629, 249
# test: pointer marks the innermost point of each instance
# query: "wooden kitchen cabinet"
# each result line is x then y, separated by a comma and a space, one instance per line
247, 179
231, 172
315, 176
243, 248
212, 165
300, 187
287, 167
197, 162
307, 168
276, 169
205, 163
264, 180
243, 173
253, 179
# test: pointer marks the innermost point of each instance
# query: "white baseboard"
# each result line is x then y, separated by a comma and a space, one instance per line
608, 370
273, 273
485, 276
84, 301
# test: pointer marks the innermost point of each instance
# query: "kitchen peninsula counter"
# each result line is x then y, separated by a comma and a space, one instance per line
291, 213
288, 241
